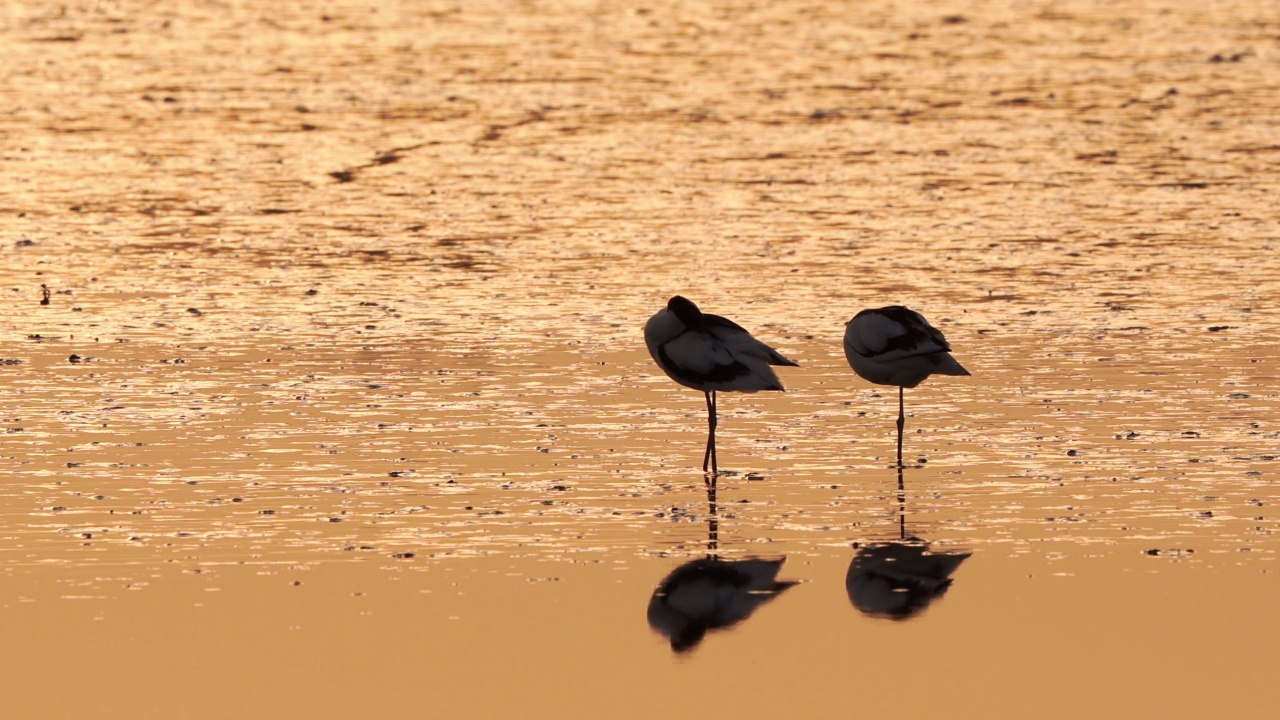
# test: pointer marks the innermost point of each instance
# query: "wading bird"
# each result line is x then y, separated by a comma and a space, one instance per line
710, 353
897, 346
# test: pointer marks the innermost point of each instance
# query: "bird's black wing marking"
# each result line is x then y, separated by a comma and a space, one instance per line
918, 332
715, 571
773, 357
719, 373
714, 321
912, 340
914, 594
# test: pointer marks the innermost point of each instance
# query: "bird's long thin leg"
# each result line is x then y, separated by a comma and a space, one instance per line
709, 457
711, 425
715, 421
902, 421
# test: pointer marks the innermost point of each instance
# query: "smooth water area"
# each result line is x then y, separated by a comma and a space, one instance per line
338, 406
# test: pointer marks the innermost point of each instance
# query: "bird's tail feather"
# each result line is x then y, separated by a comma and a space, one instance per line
949, 366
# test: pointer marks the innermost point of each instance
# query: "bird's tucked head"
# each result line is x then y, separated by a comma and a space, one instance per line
687, 638
685, 311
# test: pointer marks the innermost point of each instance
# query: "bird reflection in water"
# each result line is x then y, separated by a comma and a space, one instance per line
899, 579
712, 594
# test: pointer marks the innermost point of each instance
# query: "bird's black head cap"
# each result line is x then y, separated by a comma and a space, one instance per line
685, 311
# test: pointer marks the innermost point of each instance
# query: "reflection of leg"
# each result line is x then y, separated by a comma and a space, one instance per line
902, 421
709, 457
713, 522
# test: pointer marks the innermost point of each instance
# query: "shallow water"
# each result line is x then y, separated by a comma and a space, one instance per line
339, 405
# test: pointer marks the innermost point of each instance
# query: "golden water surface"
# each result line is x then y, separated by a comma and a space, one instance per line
339, 407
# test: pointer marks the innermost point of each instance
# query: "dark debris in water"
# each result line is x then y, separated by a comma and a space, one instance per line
1172, 552
387, 157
